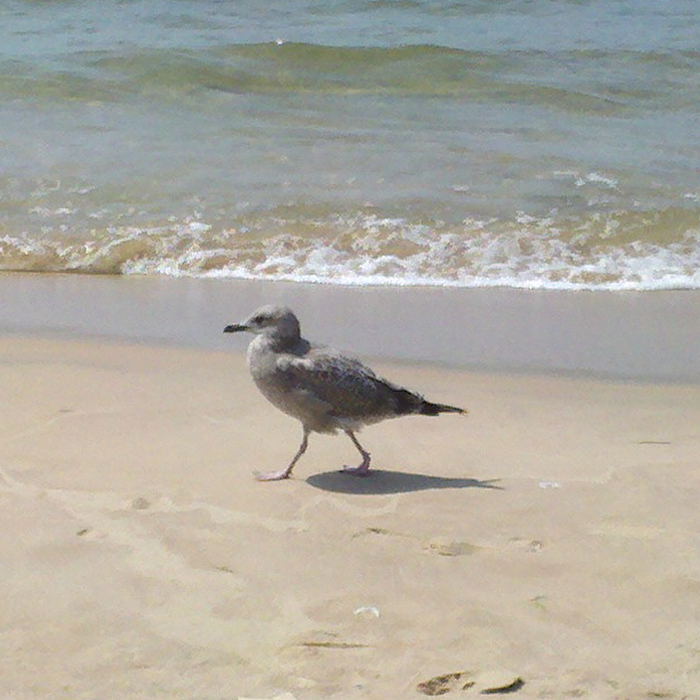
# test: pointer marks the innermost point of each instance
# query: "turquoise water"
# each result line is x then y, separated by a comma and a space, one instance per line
540, 143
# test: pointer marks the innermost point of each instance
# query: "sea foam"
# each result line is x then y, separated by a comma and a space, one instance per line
527, 252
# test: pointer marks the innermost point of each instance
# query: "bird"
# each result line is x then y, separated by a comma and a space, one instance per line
322, 388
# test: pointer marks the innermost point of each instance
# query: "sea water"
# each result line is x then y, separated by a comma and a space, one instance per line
473, 143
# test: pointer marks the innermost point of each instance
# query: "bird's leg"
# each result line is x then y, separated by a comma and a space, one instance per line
285, 473
363, 469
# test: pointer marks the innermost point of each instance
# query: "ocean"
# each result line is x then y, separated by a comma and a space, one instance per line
532, 144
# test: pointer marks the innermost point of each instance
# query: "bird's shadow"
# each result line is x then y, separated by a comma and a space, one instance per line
387, 482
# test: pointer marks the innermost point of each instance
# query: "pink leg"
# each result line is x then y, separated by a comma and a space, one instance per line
363, 469
285, 473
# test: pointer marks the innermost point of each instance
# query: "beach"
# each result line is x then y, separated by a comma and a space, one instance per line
495, 204
633, 336
546, 542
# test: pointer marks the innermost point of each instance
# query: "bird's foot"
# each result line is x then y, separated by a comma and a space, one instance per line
273, 476
362, 470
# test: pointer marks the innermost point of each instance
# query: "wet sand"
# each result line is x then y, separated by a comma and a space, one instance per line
547, 542
640, 336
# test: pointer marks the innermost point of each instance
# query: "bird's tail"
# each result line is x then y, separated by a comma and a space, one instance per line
406, 402
434, 409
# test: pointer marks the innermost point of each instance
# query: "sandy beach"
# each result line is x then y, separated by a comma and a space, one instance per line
546, 544
494, 204
649, 336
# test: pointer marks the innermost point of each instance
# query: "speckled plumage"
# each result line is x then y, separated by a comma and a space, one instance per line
323, 389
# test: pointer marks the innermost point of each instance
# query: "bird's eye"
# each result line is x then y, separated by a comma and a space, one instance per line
259, 320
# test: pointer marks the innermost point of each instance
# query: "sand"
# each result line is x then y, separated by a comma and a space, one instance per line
632, 335
547, 543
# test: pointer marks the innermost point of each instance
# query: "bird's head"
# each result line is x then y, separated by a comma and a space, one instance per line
270, 320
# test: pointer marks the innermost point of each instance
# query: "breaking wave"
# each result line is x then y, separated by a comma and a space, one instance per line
613, 251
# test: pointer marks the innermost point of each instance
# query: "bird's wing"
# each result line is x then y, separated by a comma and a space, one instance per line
345, 385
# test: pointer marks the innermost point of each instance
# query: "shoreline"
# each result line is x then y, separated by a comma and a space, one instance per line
629, 336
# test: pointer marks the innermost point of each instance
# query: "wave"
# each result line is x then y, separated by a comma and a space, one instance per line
619, 251
526, 77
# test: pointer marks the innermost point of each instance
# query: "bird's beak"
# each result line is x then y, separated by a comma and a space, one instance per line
235, 327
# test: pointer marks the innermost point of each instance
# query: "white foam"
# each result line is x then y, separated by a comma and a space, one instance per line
529, 253
495, 263
602, 180
592, 178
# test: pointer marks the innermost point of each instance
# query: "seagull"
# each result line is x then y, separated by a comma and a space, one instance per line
323, 389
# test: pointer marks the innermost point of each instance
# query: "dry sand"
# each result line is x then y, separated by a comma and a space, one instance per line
550, 536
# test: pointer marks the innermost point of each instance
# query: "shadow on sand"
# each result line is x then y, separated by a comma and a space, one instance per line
385, 482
